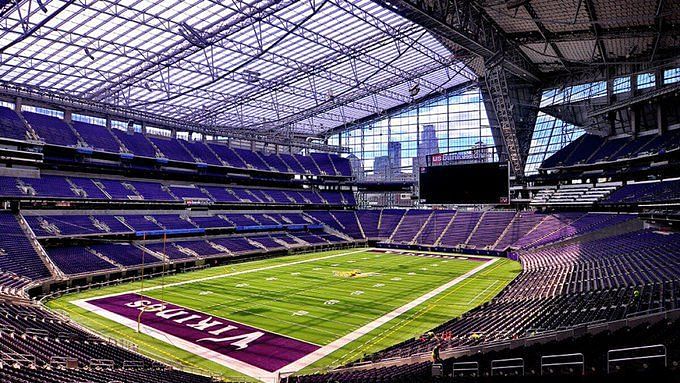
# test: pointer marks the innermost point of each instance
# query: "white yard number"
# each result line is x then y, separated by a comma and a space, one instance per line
379, 285
242, 285
358, 292
300, 313
272, 279
331, 302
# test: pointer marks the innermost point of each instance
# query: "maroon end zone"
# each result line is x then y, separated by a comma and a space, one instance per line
250, 345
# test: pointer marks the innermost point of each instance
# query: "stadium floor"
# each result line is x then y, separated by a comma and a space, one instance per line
304, 311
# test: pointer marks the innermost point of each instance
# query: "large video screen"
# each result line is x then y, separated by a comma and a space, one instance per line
483, 183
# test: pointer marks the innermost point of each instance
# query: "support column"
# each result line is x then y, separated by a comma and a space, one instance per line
658, 79
632, 113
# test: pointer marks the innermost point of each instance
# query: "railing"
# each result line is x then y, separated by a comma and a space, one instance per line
37, 332
499, 366
630, 354
465, 369
563, 360
63, 361
133, 364
23, 359
103, 363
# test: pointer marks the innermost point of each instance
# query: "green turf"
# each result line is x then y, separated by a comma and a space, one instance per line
299, 300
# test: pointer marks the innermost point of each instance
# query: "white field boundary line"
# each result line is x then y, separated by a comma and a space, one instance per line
364, 330
212, 277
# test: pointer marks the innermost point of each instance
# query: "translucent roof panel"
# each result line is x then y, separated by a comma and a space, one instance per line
262, 65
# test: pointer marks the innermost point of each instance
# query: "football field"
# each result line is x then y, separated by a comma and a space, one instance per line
258, 319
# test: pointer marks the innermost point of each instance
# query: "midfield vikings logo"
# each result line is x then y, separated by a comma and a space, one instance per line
197, 322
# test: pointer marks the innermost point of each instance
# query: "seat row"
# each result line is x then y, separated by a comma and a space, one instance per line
55, 131
77, 188
592, 149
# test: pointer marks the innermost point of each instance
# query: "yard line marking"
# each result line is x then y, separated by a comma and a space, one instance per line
483, 291
364, 330
234, 273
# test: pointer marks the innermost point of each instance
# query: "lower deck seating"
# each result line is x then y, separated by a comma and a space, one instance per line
17, 254
36, 336
564, 286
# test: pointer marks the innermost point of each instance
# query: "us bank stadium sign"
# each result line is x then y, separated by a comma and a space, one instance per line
453, 158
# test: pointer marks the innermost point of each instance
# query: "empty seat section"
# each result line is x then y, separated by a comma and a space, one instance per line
369, 220
492, 225
412, 222
211, 222
241, 220
460, 228
277, 195
140, 223
172, 149
97, 136
311, 196
274, 161
18, 255
308, 164
77, 260
201, 151
251, 158
187, 192
349, 222
136, 143
50, 186
173, 222
342, 165
91, 190
111, 224
51, 129
523, 223
435, 227
169, 250
220, 194
151, 191
227, 155
388, 221
243, 195
292, 163
126, 255
11, 125
9, 187
324, 163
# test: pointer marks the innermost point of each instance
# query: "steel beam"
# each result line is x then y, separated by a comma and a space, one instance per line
466, 25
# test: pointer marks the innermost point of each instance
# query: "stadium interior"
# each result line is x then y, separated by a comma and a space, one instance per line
495, 185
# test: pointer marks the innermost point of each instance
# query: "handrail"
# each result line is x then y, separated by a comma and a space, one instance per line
578, 360
661, 347
495, 366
